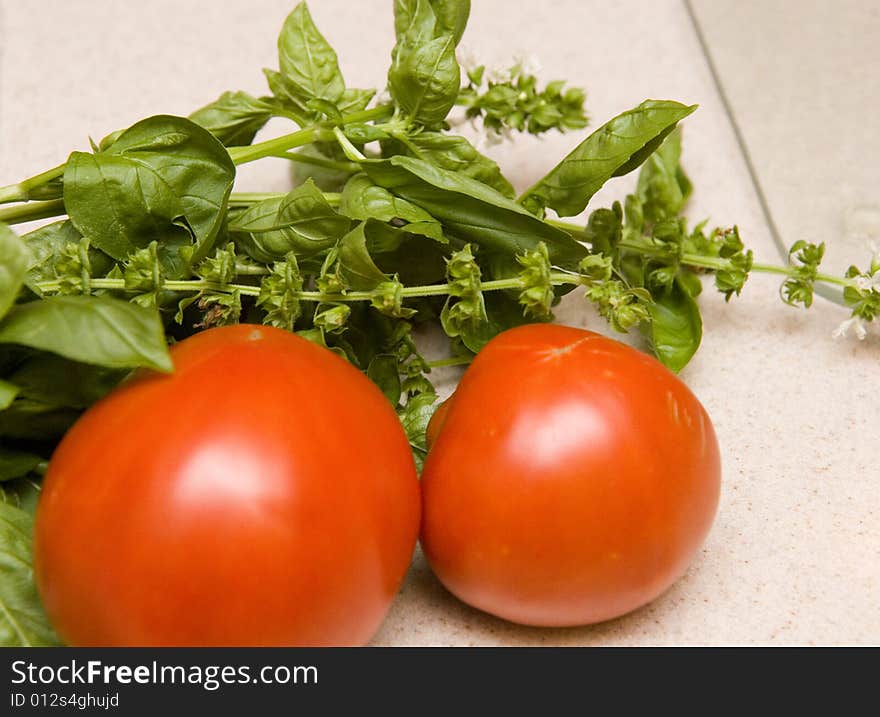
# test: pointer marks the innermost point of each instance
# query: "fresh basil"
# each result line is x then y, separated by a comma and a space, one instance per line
161, 174
472, 210
97, 330
676, 327
308, 64
13, 267
23, 622
302, 222
363, 199
234, 118
616, 148
15, 464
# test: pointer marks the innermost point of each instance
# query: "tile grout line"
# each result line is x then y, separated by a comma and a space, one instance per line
826, 292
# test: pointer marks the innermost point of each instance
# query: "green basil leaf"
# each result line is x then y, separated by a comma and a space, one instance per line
45, 247
308, 63
472, 210
616, 148
59, 381
355, 264
97, 330
162, 173
383, 371
676, 327
451, 16
354, 100
22, 620
22, 493
302, 222
414, 418
454, 153
8, 392
13, 267
234, 118
363, 199
36, 421
424, 79
663, 187
15, 464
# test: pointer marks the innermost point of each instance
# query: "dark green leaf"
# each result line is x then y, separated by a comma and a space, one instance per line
161, 173
415, 417
22, 620
454, 153
36, 421
48, 245
13, 267
22, 493
234, 118
362, 199
97, 330
676, 327
15, 463
472, 210
55, 380
301, 222
384, 373
8, 392
663, 187
618, 147
357, 268
307, 61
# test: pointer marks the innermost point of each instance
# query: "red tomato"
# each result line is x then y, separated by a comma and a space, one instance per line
573, 480
263, 494
435, 425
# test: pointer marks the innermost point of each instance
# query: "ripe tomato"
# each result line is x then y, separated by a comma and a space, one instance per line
263, 494
572, 480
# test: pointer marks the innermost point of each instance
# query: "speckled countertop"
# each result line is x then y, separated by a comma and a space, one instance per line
794, 555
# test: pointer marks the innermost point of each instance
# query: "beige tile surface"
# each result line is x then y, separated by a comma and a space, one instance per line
794, 556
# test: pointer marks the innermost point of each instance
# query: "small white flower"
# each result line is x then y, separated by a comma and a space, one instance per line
498, 75
528, 64
467, 58
856, 324
866, 282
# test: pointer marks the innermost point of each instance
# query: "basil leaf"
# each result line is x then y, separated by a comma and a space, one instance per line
234, 118
308, 63
15, 464
663, 187
59, 381
676, 327
96, 330
472, 210
363, 199
13, 267
22, 620
36, 421
8, 392
616, 148
424, 80
424, 77
355, 264
383, 371
45, 247
451, 15
354, 100
454, 153
301, 221
162, 173
414, 418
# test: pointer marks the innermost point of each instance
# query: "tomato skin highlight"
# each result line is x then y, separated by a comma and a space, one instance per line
573, 480
263, 494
